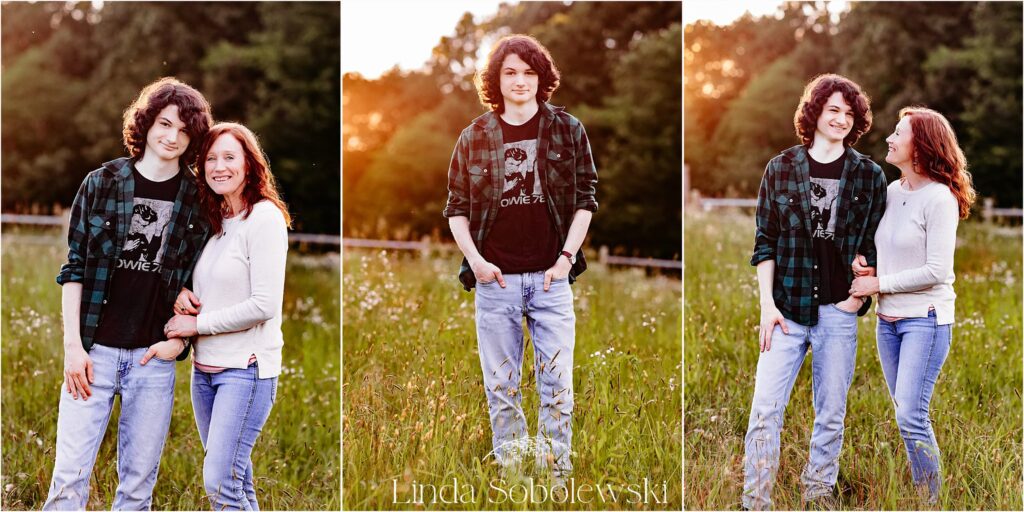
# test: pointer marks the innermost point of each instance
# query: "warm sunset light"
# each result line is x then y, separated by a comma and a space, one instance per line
403, 35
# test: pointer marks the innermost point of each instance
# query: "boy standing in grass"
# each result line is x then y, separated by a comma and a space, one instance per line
521, 188
134, 236
818, 207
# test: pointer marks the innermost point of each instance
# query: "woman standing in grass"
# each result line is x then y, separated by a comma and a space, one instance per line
915, 242
239, 288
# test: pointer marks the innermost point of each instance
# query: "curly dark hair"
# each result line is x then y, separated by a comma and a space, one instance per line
488, 79
817, 93
193, 109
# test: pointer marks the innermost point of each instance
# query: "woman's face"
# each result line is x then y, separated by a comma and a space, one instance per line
901, 143
225, 166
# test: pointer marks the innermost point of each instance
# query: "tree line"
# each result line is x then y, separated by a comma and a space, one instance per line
744, 80
70, 69
621, 76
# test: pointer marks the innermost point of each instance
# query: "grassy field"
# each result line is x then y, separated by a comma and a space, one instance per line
976, 409
415, 412
297, 456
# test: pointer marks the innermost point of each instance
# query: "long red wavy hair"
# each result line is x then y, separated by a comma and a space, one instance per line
938, 156
259, 182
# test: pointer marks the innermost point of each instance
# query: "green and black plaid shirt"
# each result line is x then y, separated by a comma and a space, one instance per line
100, 218
783, 231
476, 177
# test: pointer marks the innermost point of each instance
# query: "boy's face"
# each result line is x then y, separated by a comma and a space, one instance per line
518, 81
836, 119
167, 139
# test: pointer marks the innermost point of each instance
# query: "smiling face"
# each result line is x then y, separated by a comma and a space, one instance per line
518, 81
224, 166
836, 119
167, 139
901, 143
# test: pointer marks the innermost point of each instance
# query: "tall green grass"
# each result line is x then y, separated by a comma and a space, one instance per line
976, 408
297, 456
415, 411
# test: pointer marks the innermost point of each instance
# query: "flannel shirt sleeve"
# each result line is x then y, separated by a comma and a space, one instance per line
458, 179
766, 232
586, 171
879, 186
73, 271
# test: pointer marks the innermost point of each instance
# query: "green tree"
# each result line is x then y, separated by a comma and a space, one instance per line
640, 175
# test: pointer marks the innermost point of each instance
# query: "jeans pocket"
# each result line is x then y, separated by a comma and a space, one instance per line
843, 311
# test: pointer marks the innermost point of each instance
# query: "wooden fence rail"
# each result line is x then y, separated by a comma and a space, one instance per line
425, 245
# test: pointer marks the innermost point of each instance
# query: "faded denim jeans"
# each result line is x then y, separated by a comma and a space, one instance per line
912, 352
231, 408
833, 343
147, 397
552, 323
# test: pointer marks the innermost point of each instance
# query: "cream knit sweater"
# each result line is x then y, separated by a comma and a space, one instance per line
239, 280
916, 240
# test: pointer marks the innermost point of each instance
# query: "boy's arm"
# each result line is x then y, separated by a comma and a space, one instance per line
867, 246
458, 181
73, 270
766, 236
573, 241
766, 230
78, 370
484, 270
586, 176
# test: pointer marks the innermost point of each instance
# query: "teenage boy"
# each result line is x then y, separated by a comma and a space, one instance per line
134, 236
818, 207
521, 188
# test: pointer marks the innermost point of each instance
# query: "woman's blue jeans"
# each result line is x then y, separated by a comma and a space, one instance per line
912, 352
231, 408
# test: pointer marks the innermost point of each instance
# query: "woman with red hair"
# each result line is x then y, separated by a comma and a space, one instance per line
239, 288
916, 240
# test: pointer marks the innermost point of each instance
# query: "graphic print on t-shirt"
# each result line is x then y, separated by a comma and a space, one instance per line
521, 183
143, 249
824, 193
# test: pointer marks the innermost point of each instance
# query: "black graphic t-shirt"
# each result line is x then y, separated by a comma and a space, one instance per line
133, 316
835, 287
523, 238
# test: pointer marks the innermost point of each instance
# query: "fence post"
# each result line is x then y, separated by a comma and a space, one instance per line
988, 204
602, 255
425, 249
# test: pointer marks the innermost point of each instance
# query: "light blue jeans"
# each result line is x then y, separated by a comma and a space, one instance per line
912, 352
147, 397
552, 323
230, 409
833, 343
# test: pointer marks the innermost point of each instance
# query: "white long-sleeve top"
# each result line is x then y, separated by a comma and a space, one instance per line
916, 240
239, 280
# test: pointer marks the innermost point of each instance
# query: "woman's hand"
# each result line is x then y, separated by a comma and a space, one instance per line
861, 268
167, 350
187, 303
180, 326
864, 286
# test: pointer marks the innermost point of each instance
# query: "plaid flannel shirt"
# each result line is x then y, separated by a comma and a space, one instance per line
784, 229
565, 166
100, 217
